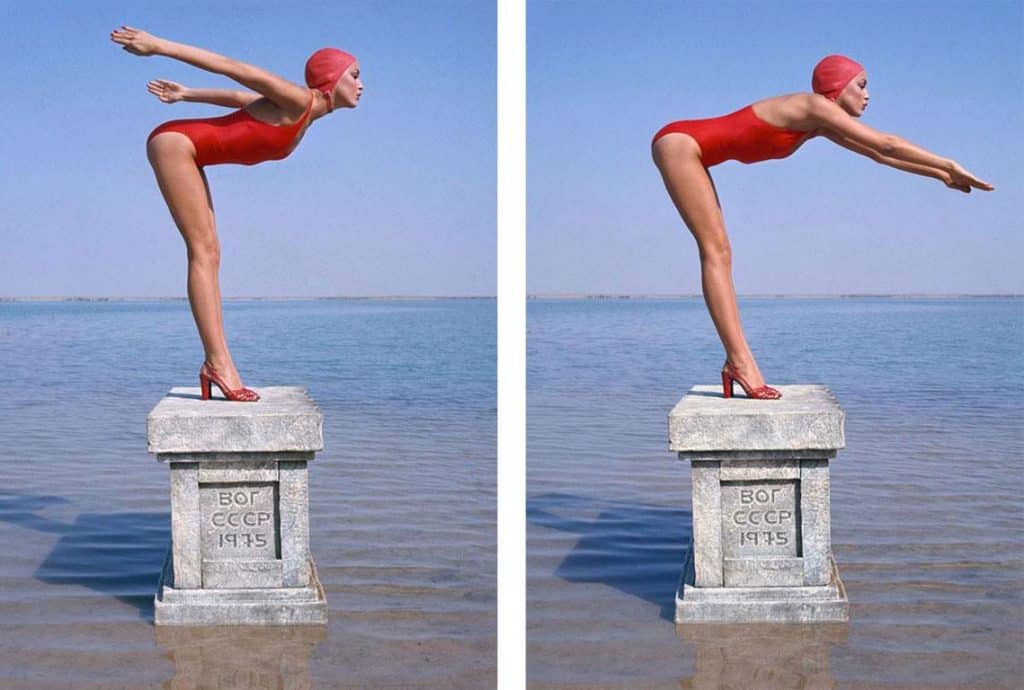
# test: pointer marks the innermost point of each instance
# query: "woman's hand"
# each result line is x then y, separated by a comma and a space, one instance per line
947, 180
964, 181
136, 41
167, 91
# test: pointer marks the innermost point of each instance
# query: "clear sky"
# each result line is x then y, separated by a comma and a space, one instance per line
605, 76
396, 197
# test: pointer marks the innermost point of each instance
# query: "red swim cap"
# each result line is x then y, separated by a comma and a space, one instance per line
832, 74
325, 67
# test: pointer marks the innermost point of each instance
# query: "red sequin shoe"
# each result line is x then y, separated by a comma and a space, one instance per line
729, 376
208, 375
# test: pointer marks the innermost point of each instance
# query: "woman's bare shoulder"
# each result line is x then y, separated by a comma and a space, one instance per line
792, 110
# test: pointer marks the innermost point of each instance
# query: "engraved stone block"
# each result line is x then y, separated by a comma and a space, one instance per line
761, 526
239, 521
240, 527
759, 519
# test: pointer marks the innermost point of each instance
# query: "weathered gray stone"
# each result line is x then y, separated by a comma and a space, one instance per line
241, 606
802, 604
761, 526
816, 521
295, 523
759, 470
759, 518
707, 533
755, 455
284, 419
773, 571
239, 509
239, 521
242, 574
805, 418
211, 460
256, 471
185, 522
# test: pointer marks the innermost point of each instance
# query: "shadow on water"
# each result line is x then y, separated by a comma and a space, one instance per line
638, 549
118, 554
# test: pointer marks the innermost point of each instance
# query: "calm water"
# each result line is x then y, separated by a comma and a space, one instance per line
402, 505
926, 509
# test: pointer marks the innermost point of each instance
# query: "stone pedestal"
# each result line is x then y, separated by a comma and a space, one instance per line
239, 509
762, 549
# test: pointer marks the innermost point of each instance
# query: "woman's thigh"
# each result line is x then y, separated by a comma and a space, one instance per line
691, 188
183, 185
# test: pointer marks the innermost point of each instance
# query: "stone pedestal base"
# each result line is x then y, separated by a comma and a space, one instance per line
762, 544
807, 604
239, 509
237, 606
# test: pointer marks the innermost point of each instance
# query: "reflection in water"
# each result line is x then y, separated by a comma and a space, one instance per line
763, 656
240, 657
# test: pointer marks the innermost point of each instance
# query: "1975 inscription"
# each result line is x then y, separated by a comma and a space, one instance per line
238, 521
759, 518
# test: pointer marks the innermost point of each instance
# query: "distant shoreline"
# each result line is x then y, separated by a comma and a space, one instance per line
532, 297
375, 298
856, 295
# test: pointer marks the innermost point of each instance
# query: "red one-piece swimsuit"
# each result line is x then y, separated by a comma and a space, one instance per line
741, 136
236, 138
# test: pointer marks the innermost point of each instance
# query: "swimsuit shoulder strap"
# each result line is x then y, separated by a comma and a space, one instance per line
309, 108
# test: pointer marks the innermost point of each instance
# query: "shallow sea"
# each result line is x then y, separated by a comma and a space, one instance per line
927, 518
402, 504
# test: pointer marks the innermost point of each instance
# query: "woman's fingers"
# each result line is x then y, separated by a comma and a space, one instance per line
973, 181
135, 41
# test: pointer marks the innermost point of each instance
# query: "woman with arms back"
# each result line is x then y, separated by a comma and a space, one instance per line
268, 125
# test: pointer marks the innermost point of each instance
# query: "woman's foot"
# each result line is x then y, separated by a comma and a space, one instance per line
226, 370
210, 376
749, 378
747, 369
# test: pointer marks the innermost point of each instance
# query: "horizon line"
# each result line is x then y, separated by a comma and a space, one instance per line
529, 296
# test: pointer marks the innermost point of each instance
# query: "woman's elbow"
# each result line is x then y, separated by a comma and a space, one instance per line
890, 145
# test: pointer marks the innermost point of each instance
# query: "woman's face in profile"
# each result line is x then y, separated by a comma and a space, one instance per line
349, 88
854, 97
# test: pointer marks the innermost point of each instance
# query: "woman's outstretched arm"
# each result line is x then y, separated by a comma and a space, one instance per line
172, 92
280, 90
916, 168
826, 115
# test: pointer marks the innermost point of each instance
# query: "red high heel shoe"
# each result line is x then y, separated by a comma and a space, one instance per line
208, 375
729, 376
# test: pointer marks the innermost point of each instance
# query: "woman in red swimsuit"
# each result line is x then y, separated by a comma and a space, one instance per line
268, 125
773, 128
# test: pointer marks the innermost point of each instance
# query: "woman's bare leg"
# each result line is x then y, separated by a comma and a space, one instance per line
185, 189
692, 190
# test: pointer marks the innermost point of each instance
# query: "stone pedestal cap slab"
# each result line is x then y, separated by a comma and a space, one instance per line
284, 419
807, 417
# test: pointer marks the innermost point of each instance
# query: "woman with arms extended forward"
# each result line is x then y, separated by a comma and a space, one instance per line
268, 125
773, 128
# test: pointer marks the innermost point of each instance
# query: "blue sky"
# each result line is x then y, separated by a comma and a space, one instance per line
603, 77
396, 197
